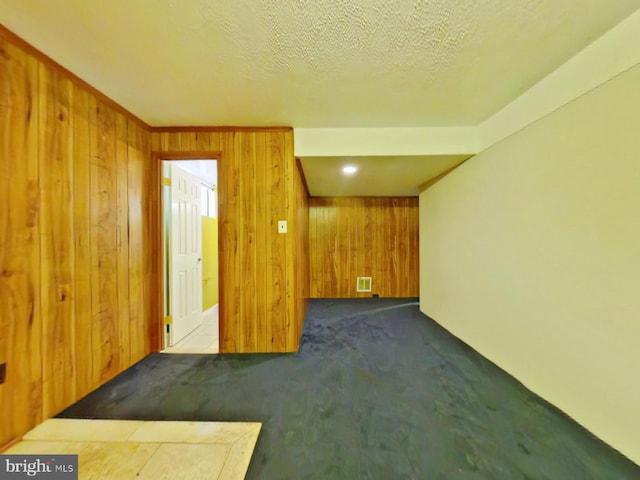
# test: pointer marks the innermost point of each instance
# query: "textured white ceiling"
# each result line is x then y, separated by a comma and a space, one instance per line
314, 63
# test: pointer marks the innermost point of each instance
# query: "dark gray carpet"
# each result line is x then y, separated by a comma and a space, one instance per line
377, 391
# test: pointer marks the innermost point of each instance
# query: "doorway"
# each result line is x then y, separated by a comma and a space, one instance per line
190, 258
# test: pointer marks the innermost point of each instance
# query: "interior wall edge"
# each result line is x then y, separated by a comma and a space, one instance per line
607, 57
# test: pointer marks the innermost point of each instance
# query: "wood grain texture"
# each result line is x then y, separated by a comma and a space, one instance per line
122, 238
104, 305
20, 311
68, 265
140, 281
229, 243
262, 234
247, 199
257, 268
55, 156
82, 241
351, 237
301, 251
277, 313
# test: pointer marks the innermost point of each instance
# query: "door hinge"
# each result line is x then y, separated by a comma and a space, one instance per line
168, 320
166, 181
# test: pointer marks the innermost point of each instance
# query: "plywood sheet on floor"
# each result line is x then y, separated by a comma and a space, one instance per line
116, 449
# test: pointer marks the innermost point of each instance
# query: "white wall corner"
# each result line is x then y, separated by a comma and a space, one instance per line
615, 52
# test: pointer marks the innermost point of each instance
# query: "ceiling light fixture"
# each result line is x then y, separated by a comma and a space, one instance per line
349, 169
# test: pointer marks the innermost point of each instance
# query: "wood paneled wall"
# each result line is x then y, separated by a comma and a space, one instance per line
79, 265
302, 274
260, 269
75, 263
352, 237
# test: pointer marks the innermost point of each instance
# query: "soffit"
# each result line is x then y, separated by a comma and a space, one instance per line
376, 176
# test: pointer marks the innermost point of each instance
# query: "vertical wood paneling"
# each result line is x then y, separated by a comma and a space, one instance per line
301, 285
278, 315
333, 261
259, 306
323, 232
82, 237
68, 267
342, 253
138, 201
104, 265
156, 143
289, 214
355, 243
55, 155
20, 316
247, 201
413, 246
262, 235
369, 233
122, 238
230, 255
270, 288
174, 141
314, 281
142, 153
363, 236
201, 141
216, 141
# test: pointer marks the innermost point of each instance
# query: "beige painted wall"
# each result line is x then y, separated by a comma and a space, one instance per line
530, 252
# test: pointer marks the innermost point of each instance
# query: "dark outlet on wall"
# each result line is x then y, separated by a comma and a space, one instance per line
375, 295
3, 372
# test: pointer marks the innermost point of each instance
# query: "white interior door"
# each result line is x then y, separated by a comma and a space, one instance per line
186, 254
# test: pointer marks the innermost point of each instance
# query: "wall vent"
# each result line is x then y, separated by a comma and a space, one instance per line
363, 284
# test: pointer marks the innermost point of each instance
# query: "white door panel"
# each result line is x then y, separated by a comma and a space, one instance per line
186, 254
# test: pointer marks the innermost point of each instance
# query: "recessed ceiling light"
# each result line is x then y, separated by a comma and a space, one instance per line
349, 169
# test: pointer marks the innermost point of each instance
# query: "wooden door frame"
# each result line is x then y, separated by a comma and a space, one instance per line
157, 239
